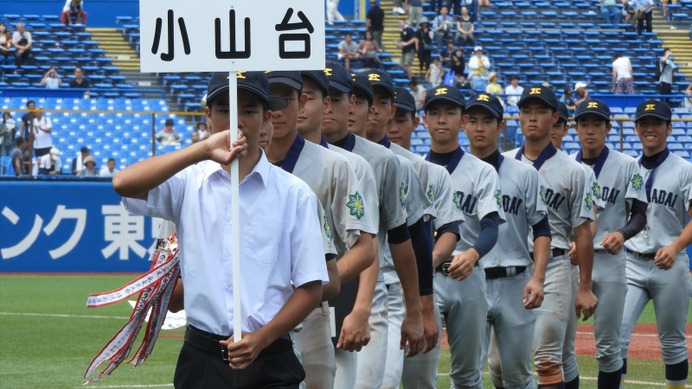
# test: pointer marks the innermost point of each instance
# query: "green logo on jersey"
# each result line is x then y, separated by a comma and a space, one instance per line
327, 228
543, 195
457, 200
596, 190
498, 197
588, 201
355, 204
402, 195
637, 181
430, 193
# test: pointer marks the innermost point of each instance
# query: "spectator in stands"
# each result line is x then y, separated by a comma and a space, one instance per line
484, 3
643, 12
19, 163
567, 100
202, 130
443, 26
627, 12
494, 88
375, 21
465, 29
610, 12
415, 11
27, 120
43, 128
580, 93
73, 9
424, 45
333, 12
78, 161
50, 162
21, 40
459, 68
664, 4
8, 129
79, 80
167, 135
513, 91
446, 55
418, 93
398, 9
407, 43
434, 73
348, 50
89, 168
51, 80
623, 83
368, 49
109, 170
668, 70
6, 57
688, 100
194, 137
478, 69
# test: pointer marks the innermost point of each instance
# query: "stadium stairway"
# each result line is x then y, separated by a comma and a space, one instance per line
677, 38
116, 47
391, 35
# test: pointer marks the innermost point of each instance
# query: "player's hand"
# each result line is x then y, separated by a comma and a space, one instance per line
355, 331
613, 242
572, 253
533, 294
462, 264
242, 354
665, 257
431, 331
219, 149
412, 334
586, 303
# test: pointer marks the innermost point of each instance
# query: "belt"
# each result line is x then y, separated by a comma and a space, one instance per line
554, 253
445, 267
492, 273
209, 343
647, 257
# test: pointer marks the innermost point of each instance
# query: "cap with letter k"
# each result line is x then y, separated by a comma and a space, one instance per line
255, 82
487, 101
593, 106
653, 108
444, 93
542, 94
380, 79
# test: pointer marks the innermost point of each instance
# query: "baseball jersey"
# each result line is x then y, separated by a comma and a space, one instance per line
442, 196
523, 208
421, 168
669, 189
476, 191
614, 172
563, 190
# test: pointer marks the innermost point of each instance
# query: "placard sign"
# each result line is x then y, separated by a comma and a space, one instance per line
218, 36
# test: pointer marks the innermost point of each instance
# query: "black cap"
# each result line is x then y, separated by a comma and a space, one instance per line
319, 78
378, 78
444, 93
339, 77
542, 93
403, 99
84, 149
362, 85
593, 106
563, 111
653, 108
255, 82
291, 79
484, 100
169, 122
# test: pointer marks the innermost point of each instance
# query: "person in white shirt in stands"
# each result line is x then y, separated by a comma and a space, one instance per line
51, 80
50, 163
348, 50
21, 40
109, 170
43, 128
623, 82
513, 91
73, 8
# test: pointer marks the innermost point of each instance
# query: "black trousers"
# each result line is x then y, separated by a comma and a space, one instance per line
640, 23
201, 367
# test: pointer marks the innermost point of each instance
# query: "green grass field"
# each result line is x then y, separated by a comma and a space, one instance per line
48, 337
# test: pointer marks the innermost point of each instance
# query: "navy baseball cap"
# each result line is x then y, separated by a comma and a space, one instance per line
255, 82
339, 77
594, 106
378, 78
541, 93
319, 78
291, 79
563, 111
404, 100
444, 93
653, 108
484, 100
362, 85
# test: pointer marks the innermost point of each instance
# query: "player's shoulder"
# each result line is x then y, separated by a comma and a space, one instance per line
290, 185
517, 166
323, 153
511, 153
479, 167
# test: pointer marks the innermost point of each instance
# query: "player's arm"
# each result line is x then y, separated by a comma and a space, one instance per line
137, 180
422, 242
615, 240
665, 256
463, 264
332, 289
359, 257
447, 238
177, 300
583, 241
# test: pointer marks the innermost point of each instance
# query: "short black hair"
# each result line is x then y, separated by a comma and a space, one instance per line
30, 102
111, 159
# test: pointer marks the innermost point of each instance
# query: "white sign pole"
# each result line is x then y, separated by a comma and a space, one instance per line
235, 208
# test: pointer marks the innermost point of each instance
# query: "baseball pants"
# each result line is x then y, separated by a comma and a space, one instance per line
315, 349
395, 356
420, 371
370, 363
570, 370
609, 286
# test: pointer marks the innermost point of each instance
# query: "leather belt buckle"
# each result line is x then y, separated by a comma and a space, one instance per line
224, 353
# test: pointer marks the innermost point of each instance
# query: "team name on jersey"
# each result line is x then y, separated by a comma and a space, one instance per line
551, 198
661, 197
609, 194
511, 204
465, 203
